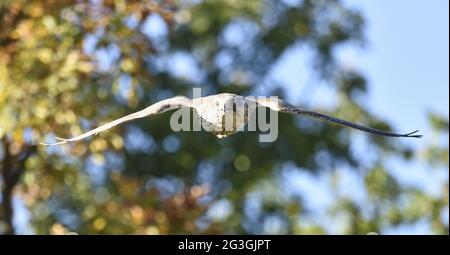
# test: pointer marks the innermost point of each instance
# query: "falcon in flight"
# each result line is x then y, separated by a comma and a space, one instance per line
216, 111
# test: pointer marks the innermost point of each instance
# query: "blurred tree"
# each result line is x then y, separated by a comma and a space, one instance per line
66, 66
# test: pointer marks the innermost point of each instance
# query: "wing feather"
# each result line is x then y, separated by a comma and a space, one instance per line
282, 106
157, 108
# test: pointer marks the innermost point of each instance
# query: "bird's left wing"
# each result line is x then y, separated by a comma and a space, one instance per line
157, 108
282, 106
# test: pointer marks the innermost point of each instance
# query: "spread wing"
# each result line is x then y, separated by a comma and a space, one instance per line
282, 106
157, 108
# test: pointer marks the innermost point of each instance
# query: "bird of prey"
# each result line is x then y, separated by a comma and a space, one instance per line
217, 110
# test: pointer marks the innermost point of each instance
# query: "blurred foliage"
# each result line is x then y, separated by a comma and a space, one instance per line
67, 66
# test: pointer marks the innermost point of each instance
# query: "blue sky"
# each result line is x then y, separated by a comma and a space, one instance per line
406, 62
406, 58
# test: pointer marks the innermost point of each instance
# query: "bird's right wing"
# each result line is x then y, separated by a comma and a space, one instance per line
157, 108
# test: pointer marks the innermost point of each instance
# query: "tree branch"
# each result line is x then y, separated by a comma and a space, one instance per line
12, 168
